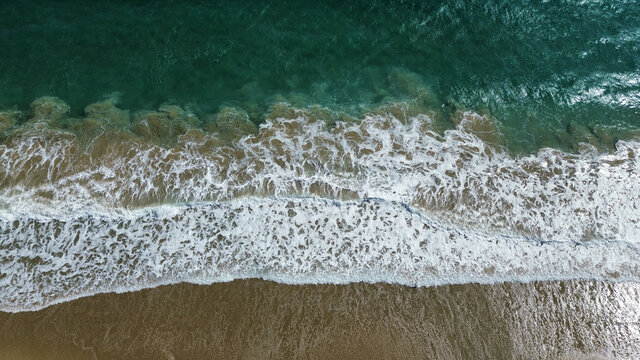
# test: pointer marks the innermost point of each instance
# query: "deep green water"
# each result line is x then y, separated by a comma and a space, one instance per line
536, 66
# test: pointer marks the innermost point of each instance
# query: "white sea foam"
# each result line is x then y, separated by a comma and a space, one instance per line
296, 240
459, 177
450, 208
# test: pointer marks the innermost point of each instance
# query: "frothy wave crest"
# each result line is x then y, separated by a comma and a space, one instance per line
463, 176
294, 203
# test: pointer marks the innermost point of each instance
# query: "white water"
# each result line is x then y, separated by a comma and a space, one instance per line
296, 240
448, 209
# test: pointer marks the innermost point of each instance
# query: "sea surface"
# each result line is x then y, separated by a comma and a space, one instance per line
481, 158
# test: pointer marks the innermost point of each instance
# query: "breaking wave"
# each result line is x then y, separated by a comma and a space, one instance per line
302, 200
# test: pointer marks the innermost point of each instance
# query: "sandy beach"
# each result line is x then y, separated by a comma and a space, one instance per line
255, 319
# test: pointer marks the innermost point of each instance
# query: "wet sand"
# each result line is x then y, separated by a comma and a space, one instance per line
252, 319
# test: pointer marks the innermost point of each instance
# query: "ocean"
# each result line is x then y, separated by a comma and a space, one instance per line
403, 167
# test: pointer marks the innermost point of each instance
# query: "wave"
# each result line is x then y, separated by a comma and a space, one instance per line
303, 200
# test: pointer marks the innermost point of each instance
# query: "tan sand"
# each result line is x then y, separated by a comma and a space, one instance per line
255, 319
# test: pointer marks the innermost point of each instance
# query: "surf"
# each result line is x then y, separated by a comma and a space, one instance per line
303, 201
46, 260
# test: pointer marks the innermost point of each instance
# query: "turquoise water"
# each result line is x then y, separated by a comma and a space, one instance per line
411, 143
536, 66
